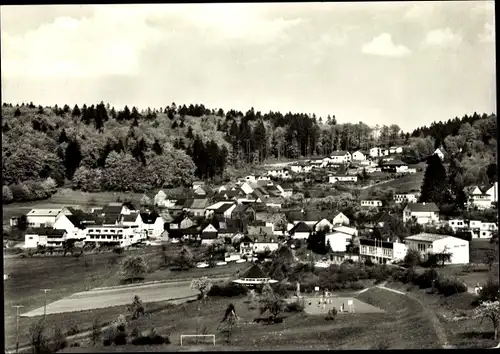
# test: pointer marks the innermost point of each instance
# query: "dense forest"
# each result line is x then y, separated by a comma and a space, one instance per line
98, 147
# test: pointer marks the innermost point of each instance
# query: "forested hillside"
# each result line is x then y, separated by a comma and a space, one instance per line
98, 147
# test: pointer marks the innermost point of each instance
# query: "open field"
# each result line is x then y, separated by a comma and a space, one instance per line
470, 275
477, 249
464, 334
97, 298
400, 185
66, 276
403, 327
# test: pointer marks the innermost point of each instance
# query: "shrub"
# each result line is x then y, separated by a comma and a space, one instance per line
489, 292
355, 285
227, 290
295, 306
448, 286
425, 279
152, 339
21, 193
73, 328
369, 262
331, 314
118, 250
109, 336
59, 341
121, 338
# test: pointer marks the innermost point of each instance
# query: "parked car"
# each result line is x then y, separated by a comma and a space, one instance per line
202, 265
221, 263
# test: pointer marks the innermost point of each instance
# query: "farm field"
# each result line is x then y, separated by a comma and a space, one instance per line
402, 326
464, 334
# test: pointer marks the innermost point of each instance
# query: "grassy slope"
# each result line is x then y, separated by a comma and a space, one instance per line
403, 327
465, 334
401, 185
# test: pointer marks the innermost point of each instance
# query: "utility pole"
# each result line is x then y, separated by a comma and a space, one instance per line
17, 325
45, 302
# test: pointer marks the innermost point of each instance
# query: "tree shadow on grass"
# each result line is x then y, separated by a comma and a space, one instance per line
477, 335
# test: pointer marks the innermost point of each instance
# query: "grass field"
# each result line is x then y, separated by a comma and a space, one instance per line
400, 185
66, 276
464, 334
401, 327
477, 250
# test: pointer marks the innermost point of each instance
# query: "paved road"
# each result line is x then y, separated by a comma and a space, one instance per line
89, 300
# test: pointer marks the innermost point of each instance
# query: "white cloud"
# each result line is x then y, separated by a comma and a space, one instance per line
488, 36
419, 11
100, 45
442, 37
383, 46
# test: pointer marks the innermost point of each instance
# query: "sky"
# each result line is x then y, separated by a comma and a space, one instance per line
406, 63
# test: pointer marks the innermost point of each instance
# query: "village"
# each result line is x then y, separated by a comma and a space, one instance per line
257, 214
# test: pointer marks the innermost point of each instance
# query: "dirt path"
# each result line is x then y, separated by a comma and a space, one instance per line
441, 334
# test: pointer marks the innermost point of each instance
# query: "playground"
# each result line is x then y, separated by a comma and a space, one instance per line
320, 305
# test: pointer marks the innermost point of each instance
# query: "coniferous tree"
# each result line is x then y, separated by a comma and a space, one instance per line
189, 133
157, 147
174, 124
6, 127
63, 137
66, 108
435, 187
76, 111
182, 124
72, 158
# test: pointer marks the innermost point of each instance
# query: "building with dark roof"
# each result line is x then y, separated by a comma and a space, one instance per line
254, 277
421, 213
300, 231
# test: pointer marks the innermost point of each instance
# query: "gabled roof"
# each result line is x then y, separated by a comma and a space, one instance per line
300, 227
112, 208
338, 153
224, 207
111, 219
129, 205
44, 212
345, 230
422, 207
254, 272
130, 217
149, 218
76, 220
426, 237
394, 163
199, 203
188, 203
45, 231
241, 208
246, 238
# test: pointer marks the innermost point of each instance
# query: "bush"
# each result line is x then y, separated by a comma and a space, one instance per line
109, 336
489, 292
7, 195
425, 279
331, 314
295, 306
355, 285
227, 290
447, 286
21, 193
154, 339
121, 338
369, 262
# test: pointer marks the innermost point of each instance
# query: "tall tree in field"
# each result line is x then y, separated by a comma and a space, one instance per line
259, 139
435, 187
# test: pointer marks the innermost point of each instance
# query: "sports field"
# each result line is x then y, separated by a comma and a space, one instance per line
103, 298
315, 305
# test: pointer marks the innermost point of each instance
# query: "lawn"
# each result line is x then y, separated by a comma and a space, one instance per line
477, 250
464, 334
403, 184
67, 275
403, 328
469, 274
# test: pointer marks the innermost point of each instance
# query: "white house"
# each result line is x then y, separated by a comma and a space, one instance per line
300, 231
340, 157
347, 230
358, 156
395, 150
372, 203
259, 247
482, 229
44, 217
119, 235
339, 238
153, 225
479, 199
427, 243
440, 153
68, 223
493, 193
301, 167
406, 197
422, 213
322, 225
280, 173
342, 178
456, 224
340, 220
381, 251
159, 198
375, 152
250, 178
44, 237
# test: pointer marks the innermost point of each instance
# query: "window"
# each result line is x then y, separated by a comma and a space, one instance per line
30, 238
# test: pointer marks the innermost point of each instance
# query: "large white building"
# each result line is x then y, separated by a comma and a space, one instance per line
421, 213
340, 157
381, 251
44, 237
427, 243
122, 236
406, 197
44, 217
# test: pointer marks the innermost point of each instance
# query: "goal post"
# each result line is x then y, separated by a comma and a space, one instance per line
197, 335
